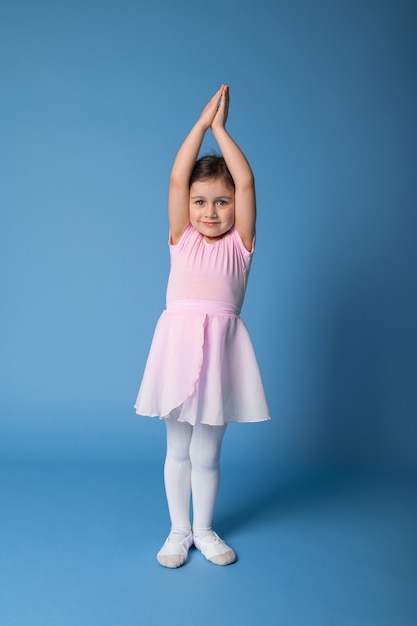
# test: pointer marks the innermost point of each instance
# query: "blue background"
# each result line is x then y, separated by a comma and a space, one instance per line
96, 99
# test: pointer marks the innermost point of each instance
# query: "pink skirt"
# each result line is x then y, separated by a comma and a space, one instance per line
202, 368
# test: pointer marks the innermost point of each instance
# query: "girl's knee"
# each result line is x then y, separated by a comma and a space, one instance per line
178, 440
205, 446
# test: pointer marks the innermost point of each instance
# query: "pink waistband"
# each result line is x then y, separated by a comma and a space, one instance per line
204, 306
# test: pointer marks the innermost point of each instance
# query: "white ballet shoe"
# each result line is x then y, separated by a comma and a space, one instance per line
174, 552
214, 549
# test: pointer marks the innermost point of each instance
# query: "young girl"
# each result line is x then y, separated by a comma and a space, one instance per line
201, 371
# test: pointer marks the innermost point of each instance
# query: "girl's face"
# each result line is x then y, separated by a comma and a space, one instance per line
212, 208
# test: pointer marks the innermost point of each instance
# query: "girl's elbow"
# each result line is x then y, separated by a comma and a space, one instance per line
246, 178
247, 184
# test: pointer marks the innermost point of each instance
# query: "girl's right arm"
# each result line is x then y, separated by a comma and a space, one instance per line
179, 190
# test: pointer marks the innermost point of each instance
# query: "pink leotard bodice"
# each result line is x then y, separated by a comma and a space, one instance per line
205, 273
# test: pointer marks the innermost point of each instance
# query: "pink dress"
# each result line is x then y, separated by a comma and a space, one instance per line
201, 366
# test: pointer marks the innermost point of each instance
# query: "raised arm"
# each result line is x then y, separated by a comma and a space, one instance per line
179, 192
245, 199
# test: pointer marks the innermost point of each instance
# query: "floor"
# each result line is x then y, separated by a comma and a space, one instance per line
78, 545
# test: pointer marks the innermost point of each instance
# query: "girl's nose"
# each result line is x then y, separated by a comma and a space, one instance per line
211, 209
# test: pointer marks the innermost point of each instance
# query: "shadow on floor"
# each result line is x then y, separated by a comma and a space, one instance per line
244, 504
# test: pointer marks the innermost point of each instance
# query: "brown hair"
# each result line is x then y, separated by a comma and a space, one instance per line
211, 166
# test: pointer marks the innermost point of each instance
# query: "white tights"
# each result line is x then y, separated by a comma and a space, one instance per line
192, 466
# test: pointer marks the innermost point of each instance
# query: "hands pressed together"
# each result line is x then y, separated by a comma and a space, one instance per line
214, 114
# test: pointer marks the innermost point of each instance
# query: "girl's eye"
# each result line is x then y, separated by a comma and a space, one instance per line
199, 202
221, 202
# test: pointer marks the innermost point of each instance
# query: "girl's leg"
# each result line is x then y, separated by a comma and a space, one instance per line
177, 475
205, 451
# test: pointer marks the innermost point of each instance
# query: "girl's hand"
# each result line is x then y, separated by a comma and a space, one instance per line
211, 109
220, 118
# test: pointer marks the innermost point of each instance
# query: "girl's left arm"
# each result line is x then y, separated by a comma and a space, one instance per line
245, 198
